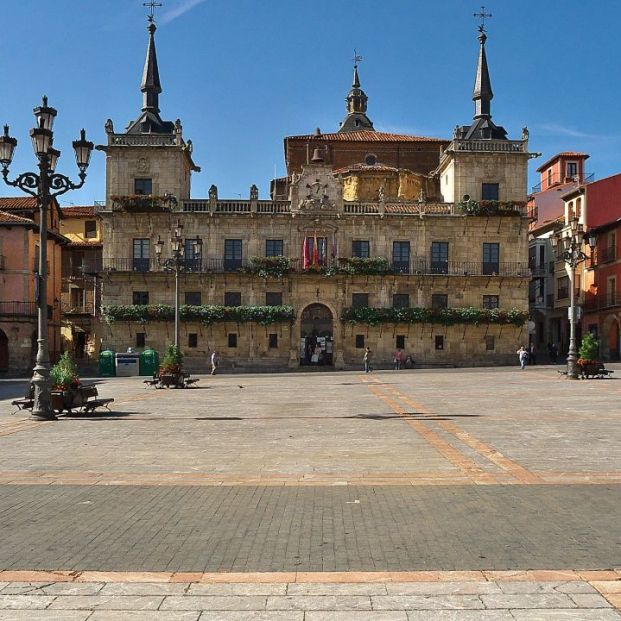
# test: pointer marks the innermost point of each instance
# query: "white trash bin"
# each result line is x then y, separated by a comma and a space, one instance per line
127, 364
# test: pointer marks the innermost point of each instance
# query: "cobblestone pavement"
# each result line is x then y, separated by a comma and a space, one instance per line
471, 476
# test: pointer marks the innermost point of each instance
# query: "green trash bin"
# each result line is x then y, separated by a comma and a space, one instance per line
107, 366
149, 362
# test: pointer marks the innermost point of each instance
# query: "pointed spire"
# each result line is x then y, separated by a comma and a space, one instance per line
356, 119
151, 87
482, 95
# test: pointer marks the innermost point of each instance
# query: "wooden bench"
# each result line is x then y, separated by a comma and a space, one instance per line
189, 382
27, 403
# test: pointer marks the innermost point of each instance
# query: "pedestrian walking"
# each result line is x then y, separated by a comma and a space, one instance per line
215, 361
397, 359
367, 360
522, 356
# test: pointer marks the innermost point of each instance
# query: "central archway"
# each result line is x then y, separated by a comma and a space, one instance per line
317, 336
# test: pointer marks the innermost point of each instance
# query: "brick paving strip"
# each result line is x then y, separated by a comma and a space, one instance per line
311, 596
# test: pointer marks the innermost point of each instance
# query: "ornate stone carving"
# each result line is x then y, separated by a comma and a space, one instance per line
254, 192
109, 127
213, 192
143, 165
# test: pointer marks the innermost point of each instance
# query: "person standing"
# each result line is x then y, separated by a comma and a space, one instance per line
522, 356
367, 360
398, 359
215, 361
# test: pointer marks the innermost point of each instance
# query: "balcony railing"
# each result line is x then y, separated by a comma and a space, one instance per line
18, 309
598, 302
415, 266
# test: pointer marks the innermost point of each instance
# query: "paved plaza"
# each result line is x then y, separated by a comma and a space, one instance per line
456, 494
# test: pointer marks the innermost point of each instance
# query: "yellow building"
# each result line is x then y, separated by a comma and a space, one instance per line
80, 286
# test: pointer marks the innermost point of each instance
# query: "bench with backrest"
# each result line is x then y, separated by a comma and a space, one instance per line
27, 402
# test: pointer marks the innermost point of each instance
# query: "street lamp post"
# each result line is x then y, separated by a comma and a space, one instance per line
43, 187
178, 263
572, 254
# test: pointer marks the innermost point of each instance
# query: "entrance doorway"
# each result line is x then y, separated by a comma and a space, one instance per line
4, 352
316, 332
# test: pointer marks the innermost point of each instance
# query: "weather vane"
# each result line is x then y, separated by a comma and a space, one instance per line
482, 16
357, 58
152, 5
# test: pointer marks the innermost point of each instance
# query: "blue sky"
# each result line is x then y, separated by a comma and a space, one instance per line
242, 74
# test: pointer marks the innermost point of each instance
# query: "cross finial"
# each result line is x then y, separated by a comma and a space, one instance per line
357, 58
482, 16
152, 5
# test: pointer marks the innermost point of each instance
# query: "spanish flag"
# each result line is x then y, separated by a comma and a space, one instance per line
315, 251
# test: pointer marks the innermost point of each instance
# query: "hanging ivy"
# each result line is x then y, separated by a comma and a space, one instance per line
444, 316
358, 265
207, 315
268, 267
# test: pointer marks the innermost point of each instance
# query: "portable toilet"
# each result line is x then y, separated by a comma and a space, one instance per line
107, 367
149, 362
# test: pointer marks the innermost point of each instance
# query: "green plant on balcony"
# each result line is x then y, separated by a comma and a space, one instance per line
205, 314
491, 208
443, 316
269, 267
359, 265
144, 202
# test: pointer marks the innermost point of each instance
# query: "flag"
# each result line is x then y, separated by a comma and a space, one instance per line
305, 254
315, 251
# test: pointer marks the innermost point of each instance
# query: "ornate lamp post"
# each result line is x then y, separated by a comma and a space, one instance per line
572, 243
43, 186
179, 263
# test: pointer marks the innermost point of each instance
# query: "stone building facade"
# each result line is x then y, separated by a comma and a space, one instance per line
356, 248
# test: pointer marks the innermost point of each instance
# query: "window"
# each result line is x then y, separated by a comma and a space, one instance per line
232, 339
491, 301
400, 341
273, 341
359, 300
439, 257
192, 340
491, 256
549, 176
572, 169
490, 343
273, 248
140, 298
439, 300
193, 298
401, 300
90, 229
439, 341
141, 255
611, 297
192, 255
562, 290
273, 298
489, 191
370, 159
143, 186
77, 298
232, 298
140, 339
401, 256
232, 254
359, 341
360, 248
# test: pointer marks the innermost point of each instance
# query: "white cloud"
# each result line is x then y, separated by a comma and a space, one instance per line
560, 130
182, 9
